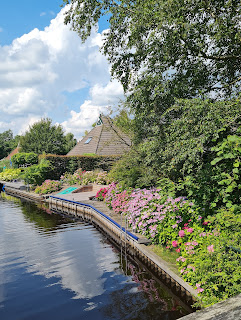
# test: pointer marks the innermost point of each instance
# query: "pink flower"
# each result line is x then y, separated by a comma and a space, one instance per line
194, 243
181, 233
190, 230
178, 250
210, 248
191, 267
174, 244
199, 289
205, 223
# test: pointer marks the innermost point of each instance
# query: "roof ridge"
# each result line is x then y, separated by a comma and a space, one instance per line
102, 125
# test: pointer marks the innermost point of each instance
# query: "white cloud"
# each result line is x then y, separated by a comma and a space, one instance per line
42, 14
101, 98
1, 29
38, 68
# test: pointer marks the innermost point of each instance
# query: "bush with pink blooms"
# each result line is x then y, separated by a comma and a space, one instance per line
100, 195
206, 247
49, 186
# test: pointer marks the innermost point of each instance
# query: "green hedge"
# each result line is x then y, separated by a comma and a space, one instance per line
62, 164
23, 158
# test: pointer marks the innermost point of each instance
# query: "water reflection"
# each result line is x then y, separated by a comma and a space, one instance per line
53, 267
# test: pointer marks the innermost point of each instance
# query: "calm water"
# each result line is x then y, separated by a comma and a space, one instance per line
53, 268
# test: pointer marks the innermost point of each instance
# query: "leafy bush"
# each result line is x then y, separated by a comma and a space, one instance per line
85, 177
48, 186
209, 248
21, 159
37, 173
4, 164
75, 178
210, 261
10, 174
62, 164
131, 172
218, 183
96, 176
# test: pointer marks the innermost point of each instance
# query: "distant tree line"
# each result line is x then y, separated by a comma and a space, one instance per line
41, 137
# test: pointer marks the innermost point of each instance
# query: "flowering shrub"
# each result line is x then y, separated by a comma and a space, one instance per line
209, 248
158, 217
112, 190
210, 255
96, 176
10, 174
49, 186
71, 179
85, 177
102, 178
100, 195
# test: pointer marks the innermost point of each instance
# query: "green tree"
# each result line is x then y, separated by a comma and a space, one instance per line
7, 143
166, 49
42, 137
70, 142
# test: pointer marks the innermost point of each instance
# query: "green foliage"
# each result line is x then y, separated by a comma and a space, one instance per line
191, 128
4, 164
75, 178
124, 121
70, 142
48, 186
21, 159
209, 249
7, 143
85, 177
161, 50
37, 173
216, 258
218, 182
130, 171
97, 176
62, 164
10, 174
44, 137
226, 172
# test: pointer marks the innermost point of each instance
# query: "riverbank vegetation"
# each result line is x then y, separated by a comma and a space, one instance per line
179, 63
180, 184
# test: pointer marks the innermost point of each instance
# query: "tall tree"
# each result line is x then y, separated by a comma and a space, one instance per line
166, 49
7, 143
5, 139
70, 142
42, 137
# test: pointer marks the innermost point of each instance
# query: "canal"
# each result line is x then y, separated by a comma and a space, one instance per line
53, 267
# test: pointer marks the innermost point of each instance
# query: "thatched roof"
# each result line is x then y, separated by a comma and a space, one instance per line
104, 139
12, 153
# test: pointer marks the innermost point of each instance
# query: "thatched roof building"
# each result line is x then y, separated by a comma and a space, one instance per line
12, 153
104, 139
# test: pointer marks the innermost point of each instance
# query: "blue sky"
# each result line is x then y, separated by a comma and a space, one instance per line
20, 17
45, 70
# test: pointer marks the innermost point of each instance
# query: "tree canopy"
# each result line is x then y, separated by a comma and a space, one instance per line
7, 143
161, 50
44, 137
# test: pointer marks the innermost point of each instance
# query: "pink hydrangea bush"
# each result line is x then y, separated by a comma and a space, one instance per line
49, 186
204, 259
